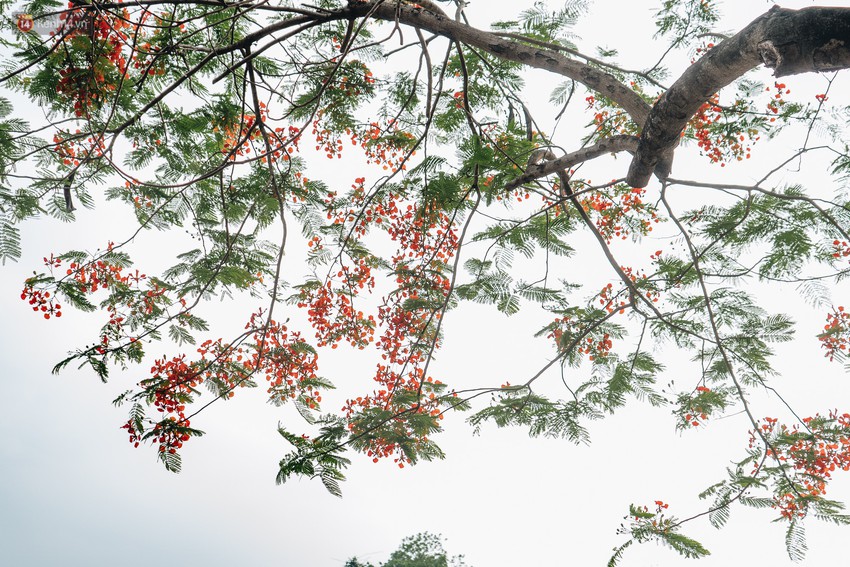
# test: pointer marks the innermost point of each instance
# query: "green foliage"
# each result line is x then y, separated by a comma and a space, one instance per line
233, 129
685, 18
420, 550
795, 541
645, 526
10, 240
519, 406
319, 457
553, 26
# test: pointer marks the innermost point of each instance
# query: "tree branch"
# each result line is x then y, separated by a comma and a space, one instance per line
504, 49
789, 41
610, 145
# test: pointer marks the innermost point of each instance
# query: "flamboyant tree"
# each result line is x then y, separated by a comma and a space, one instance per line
420, 550
220, 118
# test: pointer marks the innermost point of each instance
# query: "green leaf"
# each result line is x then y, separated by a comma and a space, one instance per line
684, 545
618, 554
795, 540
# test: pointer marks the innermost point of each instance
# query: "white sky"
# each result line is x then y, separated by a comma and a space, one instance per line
74, 492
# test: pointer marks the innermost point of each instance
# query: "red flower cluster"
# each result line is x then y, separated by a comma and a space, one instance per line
286, 361
565, 330
715, 141
595, 349
331, 309
408, 317
385, 146
71, 149
841, 249
836, 333
696, 414
621, 212
814, 450
777, 101
240, 135
85, 85
41, 301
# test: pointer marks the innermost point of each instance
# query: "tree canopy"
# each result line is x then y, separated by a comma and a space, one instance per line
405, 160
420, 550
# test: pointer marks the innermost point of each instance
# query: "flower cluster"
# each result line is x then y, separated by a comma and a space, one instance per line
715, 139
840, 249
609, 301
608, 118
331, 310
84, 81
642, 283
569, 330
42, 300
808, 454
408, 318
385, 146
72, 149
239, 135
777, 101
836, 333
694, 410
282, 357
621, 212
596, 348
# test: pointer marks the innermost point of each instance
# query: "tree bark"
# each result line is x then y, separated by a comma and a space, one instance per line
788, 41
812, 39
611, 145
528, 55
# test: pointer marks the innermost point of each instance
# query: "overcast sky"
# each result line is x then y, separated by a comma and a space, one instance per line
74, 492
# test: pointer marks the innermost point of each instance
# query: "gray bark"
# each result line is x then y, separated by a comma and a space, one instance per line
524, 54
812, 39
610, 145
788, 41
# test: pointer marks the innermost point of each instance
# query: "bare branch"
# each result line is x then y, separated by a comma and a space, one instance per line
608, 146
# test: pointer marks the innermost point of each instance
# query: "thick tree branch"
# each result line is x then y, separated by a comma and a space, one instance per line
608, 146
788, 41
504, 49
